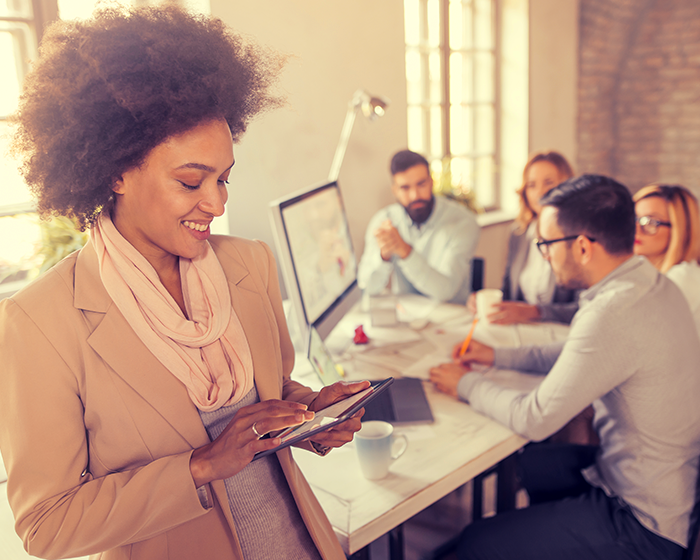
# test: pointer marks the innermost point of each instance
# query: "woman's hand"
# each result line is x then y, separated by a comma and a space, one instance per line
238, 443
476, 352
510, 312
342, 433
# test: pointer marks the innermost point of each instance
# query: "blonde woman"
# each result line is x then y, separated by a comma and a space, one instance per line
530, 292
668, 234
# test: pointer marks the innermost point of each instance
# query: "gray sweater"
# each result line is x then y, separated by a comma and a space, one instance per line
268, 522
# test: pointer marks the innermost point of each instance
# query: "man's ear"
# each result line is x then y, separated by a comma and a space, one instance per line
584, 249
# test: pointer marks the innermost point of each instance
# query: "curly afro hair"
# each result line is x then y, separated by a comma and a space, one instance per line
107, 90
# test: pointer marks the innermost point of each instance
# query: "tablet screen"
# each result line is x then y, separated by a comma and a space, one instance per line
328, 417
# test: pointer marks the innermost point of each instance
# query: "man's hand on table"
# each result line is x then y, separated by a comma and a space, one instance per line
446, 377
342, 433
476, 353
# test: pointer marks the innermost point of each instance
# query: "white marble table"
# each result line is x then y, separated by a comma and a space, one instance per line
442, 456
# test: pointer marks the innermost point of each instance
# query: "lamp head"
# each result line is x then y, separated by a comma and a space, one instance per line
372, 107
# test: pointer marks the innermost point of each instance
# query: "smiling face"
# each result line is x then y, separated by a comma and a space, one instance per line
653, 246
542, 177
164, 207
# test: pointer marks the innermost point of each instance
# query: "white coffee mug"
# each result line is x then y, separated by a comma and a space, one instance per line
485, 302
377, 448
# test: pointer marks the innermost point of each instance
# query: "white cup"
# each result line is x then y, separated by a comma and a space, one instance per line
377, 448
485, 301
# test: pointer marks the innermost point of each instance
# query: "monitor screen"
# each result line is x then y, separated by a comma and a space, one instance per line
316, 255
321, 360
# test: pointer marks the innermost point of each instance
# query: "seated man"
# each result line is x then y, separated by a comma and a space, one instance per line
632, 352
424, 244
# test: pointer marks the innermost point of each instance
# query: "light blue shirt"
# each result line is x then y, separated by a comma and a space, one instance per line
633, 352
440, 262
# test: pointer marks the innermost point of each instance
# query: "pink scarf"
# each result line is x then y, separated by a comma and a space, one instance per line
208, 353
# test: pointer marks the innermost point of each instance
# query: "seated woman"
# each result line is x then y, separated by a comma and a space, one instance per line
668, 234
141, 372
529, 289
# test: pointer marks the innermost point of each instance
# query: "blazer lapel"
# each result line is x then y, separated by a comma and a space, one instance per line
119, 346
253, 314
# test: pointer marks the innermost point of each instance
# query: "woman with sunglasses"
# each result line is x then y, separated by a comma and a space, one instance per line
668, 234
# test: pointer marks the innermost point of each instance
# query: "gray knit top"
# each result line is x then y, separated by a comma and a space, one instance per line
268, 522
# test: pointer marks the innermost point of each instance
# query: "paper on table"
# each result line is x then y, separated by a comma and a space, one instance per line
445, 338
450, 313
496, 335
381, 335
421, 368
417, 432
413, 306
397, 357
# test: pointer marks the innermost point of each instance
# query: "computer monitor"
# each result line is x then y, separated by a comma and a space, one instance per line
315, 253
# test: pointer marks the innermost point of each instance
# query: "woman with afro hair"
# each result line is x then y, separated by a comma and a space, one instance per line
141, 372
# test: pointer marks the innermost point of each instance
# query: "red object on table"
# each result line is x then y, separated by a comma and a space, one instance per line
360, 336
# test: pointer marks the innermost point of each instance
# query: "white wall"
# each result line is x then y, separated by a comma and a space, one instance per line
335, 48
338, 47
554, 29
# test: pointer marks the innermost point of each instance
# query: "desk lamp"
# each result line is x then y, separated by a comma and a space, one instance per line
372, 108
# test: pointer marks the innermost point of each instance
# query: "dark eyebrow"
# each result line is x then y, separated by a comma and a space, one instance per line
202, 167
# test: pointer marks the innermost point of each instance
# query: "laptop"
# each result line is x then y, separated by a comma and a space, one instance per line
404, 402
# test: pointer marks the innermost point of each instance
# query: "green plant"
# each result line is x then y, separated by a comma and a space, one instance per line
60, 236
445, 184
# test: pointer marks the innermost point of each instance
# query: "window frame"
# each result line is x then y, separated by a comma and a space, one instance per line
26, 28
445, 103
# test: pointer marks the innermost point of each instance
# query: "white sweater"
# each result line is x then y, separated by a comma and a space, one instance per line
686, 276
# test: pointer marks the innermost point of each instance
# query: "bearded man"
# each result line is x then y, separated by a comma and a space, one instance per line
420, 244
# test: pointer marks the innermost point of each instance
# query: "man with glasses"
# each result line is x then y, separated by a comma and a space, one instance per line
633, 353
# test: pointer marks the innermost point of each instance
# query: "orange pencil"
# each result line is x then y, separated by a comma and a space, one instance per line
467, 340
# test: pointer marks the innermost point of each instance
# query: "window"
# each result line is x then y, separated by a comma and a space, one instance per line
458, 60
19, 232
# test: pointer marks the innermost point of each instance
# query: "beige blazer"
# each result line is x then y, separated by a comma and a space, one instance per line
97, 435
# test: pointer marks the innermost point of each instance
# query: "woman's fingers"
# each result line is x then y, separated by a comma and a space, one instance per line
268, 416
337, 392
272, 407
260, 424
239, 442
342, 433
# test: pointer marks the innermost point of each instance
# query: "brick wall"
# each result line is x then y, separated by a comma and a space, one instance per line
639, 91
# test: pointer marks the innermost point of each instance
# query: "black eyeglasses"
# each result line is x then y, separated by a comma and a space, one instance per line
650, 225
543, 244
